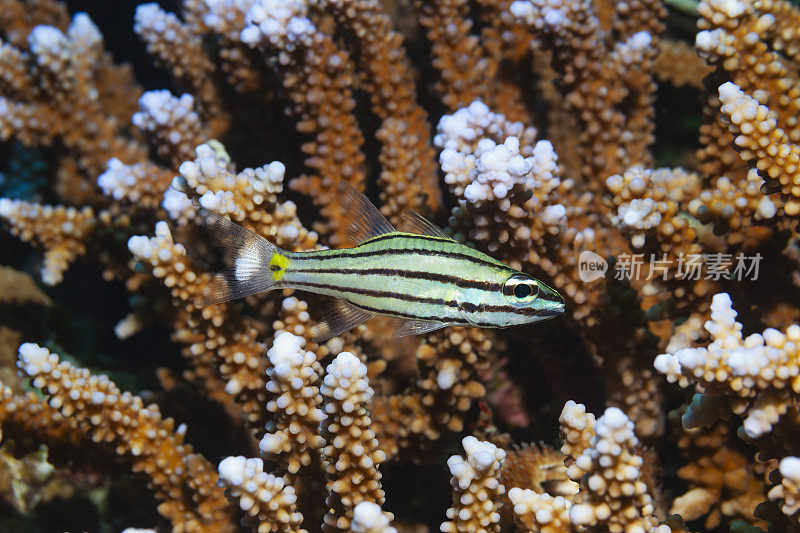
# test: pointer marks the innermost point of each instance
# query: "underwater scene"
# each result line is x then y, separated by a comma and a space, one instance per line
400, 266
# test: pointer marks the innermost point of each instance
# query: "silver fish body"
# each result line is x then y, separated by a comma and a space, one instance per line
421, 277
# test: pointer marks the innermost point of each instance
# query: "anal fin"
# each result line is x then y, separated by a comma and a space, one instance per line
341, 316
415, 327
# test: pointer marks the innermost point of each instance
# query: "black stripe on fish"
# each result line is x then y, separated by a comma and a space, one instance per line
400, 251
375, 293
413, 274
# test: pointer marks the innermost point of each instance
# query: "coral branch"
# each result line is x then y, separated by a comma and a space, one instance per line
389, 78
60, 231
476, 488
182, 480
268, 501
317, 77
352, 453
763, 142
294, 382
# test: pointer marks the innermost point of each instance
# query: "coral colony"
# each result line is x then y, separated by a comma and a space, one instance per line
529, 130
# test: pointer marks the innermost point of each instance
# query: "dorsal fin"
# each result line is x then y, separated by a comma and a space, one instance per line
416, 223
363, 220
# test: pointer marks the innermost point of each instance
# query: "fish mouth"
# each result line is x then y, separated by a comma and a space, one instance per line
552, 311
554, 302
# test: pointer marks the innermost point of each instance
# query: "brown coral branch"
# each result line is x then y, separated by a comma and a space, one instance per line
182, 480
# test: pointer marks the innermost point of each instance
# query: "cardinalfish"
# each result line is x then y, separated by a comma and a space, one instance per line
419, 275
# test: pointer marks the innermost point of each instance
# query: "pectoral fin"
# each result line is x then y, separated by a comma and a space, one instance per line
339, 317
416, 327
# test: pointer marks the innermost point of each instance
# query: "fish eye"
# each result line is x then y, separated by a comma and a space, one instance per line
521, 288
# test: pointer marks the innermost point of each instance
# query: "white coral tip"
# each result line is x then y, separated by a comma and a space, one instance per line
790, 468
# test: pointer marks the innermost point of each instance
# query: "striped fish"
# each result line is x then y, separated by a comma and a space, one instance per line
419, 275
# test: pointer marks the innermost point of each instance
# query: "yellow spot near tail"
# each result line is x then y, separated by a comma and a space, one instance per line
277, 265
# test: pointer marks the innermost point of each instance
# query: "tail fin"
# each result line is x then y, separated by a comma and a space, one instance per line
254, 264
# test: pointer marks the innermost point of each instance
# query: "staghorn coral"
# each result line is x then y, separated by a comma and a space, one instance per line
249, 197
19, 19
351, 455
388, 78
601, 454
368, 518
678, 63
18, 296
181, 479
463, 71
546, 225
648, 203
439, 399
215, 340
725, 482
546, 139
756, 374
63, 75
476, 488
761, 140
294, 381
788, 492
602, 85
266, 500
171, 124
61, 231
754, 377
613, 488
19, 288
318, 76
180, 50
